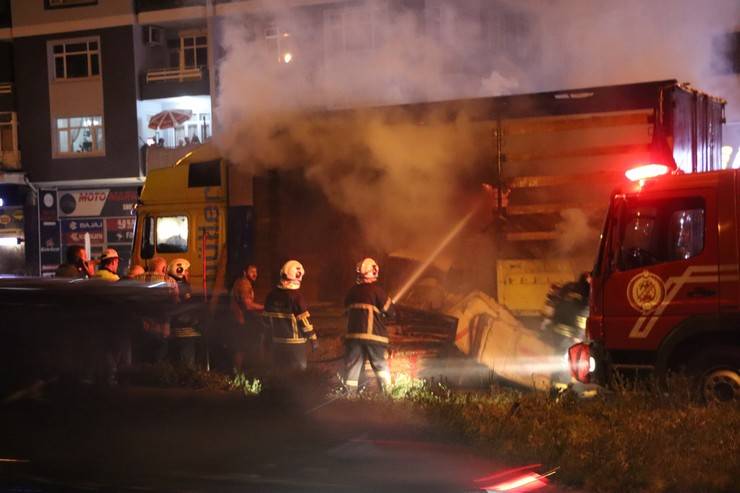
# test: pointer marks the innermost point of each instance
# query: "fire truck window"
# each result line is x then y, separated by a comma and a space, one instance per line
172, 234
685, 234
639, 241
147, 238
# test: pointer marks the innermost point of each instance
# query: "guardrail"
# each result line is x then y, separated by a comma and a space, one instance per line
169, 74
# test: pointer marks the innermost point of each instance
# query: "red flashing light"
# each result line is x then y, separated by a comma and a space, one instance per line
579, 357
646, 171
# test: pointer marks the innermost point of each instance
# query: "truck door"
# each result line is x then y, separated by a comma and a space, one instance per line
663, 266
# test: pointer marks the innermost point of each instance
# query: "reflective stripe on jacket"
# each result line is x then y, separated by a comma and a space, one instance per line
367, 305
287, 316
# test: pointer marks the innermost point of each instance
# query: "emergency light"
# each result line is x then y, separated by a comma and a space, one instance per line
646, 171
582, 364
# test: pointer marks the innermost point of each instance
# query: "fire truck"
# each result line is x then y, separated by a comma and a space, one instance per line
665, 289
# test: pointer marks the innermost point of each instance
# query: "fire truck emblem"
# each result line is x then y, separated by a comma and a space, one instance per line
645, 291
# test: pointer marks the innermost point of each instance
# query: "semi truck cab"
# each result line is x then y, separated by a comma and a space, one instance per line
665, 294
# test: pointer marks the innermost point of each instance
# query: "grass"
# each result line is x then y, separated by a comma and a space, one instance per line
247, 386
639, 438
636, 439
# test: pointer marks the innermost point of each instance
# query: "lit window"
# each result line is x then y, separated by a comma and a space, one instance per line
81, 134
76, 59
172, 234
279, 42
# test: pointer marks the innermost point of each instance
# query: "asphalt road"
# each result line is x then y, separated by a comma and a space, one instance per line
138, 439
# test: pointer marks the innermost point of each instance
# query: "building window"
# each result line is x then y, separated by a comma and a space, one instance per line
194, 50
59, 4
81, 134
76, 59
279, 42
354, 28
172, 234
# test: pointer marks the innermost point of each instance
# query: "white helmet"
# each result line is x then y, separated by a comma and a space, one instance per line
108, 254
178, 267
291, 274
367, 270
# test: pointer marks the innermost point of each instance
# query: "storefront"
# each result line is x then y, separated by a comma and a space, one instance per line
95, 217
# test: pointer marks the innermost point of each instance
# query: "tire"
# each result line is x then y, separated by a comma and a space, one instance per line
717, 373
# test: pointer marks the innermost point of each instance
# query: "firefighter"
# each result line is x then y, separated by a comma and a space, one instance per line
367, 307
108, 266
287, 315
184, 333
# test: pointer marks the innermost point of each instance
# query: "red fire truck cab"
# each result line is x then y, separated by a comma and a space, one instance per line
665, 294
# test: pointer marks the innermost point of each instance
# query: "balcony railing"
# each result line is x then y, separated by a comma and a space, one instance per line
176, 74
165, 157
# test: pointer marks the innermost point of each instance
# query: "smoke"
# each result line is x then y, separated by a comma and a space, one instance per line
586, 43
394, 171
574, 230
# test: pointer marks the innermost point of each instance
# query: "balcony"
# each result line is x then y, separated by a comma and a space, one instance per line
175, 81
172, 74
164, 157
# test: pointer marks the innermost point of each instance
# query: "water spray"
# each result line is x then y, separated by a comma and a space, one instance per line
435, 253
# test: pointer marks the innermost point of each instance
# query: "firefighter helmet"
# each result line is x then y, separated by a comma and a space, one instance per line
178, 267
291, 274
108, 254
367, 270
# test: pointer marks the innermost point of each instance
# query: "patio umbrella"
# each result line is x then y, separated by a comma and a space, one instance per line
169, 119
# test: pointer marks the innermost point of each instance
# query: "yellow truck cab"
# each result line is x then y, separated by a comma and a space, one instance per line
183, 212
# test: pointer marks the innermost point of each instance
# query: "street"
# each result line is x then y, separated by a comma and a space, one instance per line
140, 439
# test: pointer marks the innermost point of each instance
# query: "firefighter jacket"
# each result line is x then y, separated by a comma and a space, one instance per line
287, 316
367, 306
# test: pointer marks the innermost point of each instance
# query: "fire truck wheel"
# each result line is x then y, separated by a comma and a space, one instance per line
718, 374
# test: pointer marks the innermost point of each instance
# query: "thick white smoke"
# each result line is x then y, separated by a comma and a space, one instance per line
398, 178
